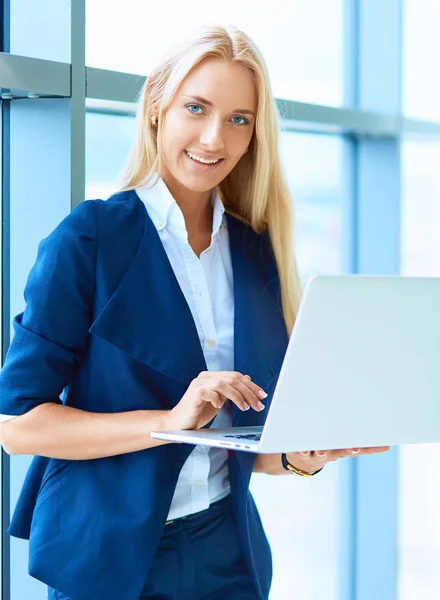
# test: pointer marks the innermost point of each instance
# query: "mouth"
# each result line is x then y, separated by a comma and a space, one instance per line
203, 166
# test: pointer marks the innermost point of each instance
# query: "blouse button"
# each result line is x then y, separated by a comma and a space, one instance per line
211, 343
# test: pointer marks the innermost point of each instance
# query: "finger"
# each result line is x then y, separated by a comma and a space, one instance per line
343, 452
320, 454
223, 387
256, 389
313, 453
249, 395
375, 450
221, 374
316, 458
210, 396
235, 376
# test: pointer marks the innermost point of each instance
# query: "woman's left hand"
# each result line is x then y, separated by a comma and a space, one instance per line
311, 461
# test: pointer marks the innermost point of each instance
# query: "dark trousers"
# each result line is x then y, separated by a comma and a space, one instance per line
198, 558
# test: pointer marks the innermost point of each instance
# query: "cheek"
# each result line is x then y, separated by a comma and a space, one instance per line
239, 142
172, 146
178, 133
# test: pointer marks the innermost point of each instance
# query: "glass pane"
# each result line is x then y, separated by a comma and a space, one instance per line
41, 29
108, 141
302, 42
310, 544
419, 522
38, 204
421, 208
303, 531
421, 48
419, 493
313, 166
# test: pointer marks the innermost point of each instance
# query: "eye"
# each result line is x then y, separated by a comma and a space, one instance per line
246, 122
189, 107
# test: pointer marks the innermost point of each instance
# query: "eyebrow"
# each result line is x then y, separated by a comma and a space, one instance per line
208, 103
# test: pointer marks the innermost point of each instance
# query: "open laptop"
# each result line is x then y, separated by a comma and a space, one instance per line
362, 368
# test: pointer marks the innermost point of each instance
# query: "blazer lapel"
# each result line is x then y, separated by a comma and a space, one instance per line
148, 317
260, 335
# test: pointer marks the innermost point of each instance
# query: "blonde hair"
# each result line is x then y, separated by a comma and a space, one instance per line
255, 191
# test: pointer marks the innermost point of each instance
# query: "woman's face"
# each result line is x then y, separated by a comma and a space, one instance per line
216, 125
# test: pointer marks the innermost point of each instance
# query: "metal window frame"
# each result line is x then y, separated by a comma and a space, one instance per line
374, 134
21, 77
5, 581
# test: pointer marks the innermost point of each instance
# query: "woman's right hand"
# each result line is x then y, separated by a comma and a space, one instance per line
206, 395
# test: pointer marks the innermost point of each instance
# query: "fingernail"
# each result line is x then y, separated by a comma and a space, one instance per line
260, 405
246, 406
247, 376
305, 453
356, 451
321, 454
262, 394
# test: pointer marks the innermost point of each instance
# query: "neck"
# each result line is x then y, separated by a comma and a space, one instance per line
196, 207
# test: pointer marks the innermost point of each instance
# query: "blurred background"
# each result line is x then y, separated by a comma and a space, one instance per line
357, 87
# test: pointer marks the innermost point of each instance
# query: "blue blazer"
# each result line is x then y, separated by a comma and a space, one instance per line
107, 324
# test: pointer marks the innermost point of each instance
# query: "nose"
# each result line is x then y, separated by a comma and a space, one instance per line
211, 136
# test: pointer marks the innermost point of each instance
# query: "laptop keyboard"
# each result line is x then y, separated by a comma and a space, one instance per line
247, 436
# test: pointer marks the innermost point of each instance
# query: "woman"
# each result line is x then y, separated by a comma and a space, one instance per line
167, 306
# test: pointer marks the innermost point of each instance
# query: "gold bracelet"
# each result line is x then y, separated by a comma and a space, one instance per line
286, 464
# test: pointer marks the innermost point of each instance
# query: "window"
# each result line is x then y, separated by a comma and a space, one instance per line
302, 42
420, 208
41, 29
108, 141
303, 531
421, 48
419, 492
313, 167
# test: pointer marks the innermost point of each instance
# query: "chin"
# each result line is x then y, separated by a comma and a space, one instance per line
197, 183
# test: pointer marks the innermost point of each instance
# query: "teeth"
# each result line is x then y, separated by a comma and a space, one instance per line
202, 160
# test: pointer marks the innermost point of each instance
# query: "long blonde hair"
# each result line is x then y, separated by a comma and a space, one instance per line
255, 191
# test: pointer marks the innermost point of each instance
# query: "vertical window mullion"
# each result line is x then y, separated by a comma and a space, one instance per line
378, 252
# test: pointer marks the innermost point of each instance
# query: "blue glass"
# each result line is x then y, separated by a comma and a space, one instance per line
420, 244
421, 48
302, 42
419, 490
108, 141
302, 518
313, 167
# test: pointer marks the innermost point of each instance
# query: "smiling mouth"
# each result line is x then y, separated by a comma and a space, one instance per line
199, 162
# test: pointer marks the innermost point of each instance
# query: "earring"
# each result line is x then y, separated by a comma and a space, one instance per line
153, 120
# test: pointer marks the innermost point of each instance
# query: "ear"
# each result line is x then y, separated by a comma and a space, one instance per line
154, 111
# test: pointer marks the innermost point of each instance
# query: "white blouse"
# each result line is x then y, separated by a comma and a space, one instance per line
207, 284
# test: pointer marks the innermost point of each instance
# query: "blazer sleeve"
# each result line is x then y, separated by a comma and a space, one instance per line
50, 335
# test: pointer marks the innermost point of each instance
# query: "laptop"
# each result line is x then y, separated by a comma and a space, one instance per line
362, 368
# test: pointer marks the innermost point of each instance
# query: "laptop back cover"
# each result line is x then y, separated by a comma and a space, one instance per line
362, 367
